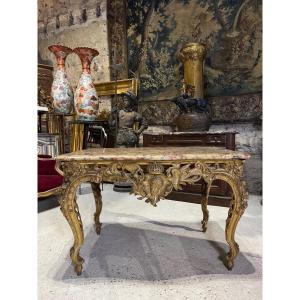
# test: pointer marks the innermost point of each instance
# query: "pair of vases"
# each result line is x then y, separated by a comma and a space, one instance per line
85, 100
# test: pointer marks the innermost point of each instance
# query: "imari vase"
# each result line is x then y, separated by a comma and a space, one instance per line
61, 90
86, 99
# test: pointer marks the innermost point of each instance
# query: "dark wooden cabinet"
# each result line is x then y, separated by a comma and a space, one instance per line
45, 78
220, 193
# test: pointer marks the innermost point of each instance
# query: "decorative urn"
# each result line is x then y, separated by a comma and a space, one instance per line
86, 98
194, 113
194, 109
61, 90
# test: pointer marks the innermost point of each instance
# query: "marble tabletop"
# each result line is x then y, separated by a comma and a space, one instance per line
153, 154
191, 132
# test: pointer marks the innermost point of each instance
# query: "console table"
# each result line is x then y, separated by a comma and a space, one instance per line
220, 194
154, 173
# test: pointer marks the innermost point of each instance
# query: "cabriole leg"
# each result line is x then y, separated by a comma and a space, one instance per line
236, 210
204, 202
98, 202
69, 208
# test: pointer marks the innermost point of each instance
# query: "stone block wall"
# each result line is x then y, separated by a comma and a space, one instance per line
243, 114
249, 139
75, 23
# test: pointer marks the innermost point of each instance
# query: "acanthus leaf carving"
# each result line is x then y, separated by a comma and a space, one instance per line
152, 181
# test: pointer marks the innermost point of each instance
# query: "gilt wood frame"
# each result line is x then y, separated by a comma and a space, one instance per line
116, 87
152, 181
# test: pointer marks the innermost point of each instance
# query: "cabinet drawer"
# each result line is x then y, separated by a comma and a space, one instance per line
216, 140
152, 140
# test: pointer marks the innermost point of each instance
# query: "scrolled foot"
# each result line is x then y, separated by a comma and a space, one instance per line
77, 260
229, 264
78, 265
98, 228
204, 226
78, 269
234, 250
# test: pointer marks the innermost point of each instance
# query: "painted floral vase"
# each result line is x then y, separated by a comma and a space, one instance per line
61, 90
86, 99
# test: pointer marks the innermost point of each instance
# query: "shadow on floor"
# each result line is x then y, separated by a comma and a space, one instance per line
127, 252
52, 201
47, 203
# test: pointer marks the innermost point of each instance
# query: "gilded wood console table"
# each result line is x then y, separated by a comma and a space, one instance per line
154, 173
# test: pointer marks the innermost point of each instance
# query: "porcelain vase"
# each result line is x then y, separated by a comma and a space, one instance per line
86, 99
61, 89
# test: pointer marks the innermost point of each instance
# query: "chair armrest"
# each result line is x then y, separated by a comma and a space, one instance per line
48, 166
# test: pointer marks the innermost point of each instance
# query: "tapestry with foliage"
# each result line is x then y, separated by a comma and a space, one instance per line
230, 29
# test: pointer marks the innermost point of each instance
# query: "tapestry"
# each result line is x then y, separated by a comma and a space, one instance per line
231, 30
224, 109
117, 39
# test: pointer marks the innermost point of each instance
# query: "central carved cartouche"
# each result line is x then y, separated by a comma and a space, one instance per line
155, 169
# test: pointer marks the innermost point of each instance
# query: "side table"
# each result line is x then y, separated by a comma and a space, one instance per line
153, 175
80, 131
41, 110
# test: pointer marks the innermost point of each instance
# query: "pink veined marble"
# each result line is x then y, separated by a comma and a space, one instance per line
153, 154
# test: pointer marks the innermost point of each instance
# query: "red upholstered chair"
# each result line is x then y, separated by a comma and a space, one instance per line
50, 179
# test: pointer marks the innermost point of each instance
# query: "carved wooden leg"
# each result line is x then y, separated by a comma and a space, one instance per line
236, 210
204, 202
98, 202
69, 208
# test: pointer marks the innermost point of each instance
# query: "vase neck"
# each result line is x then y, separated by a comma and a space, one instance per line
86, 67
60, 63
61, 53
86, 56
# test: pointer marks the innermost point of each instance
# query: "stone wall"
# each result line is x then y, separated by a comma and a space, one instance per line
75, 23
249, 139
